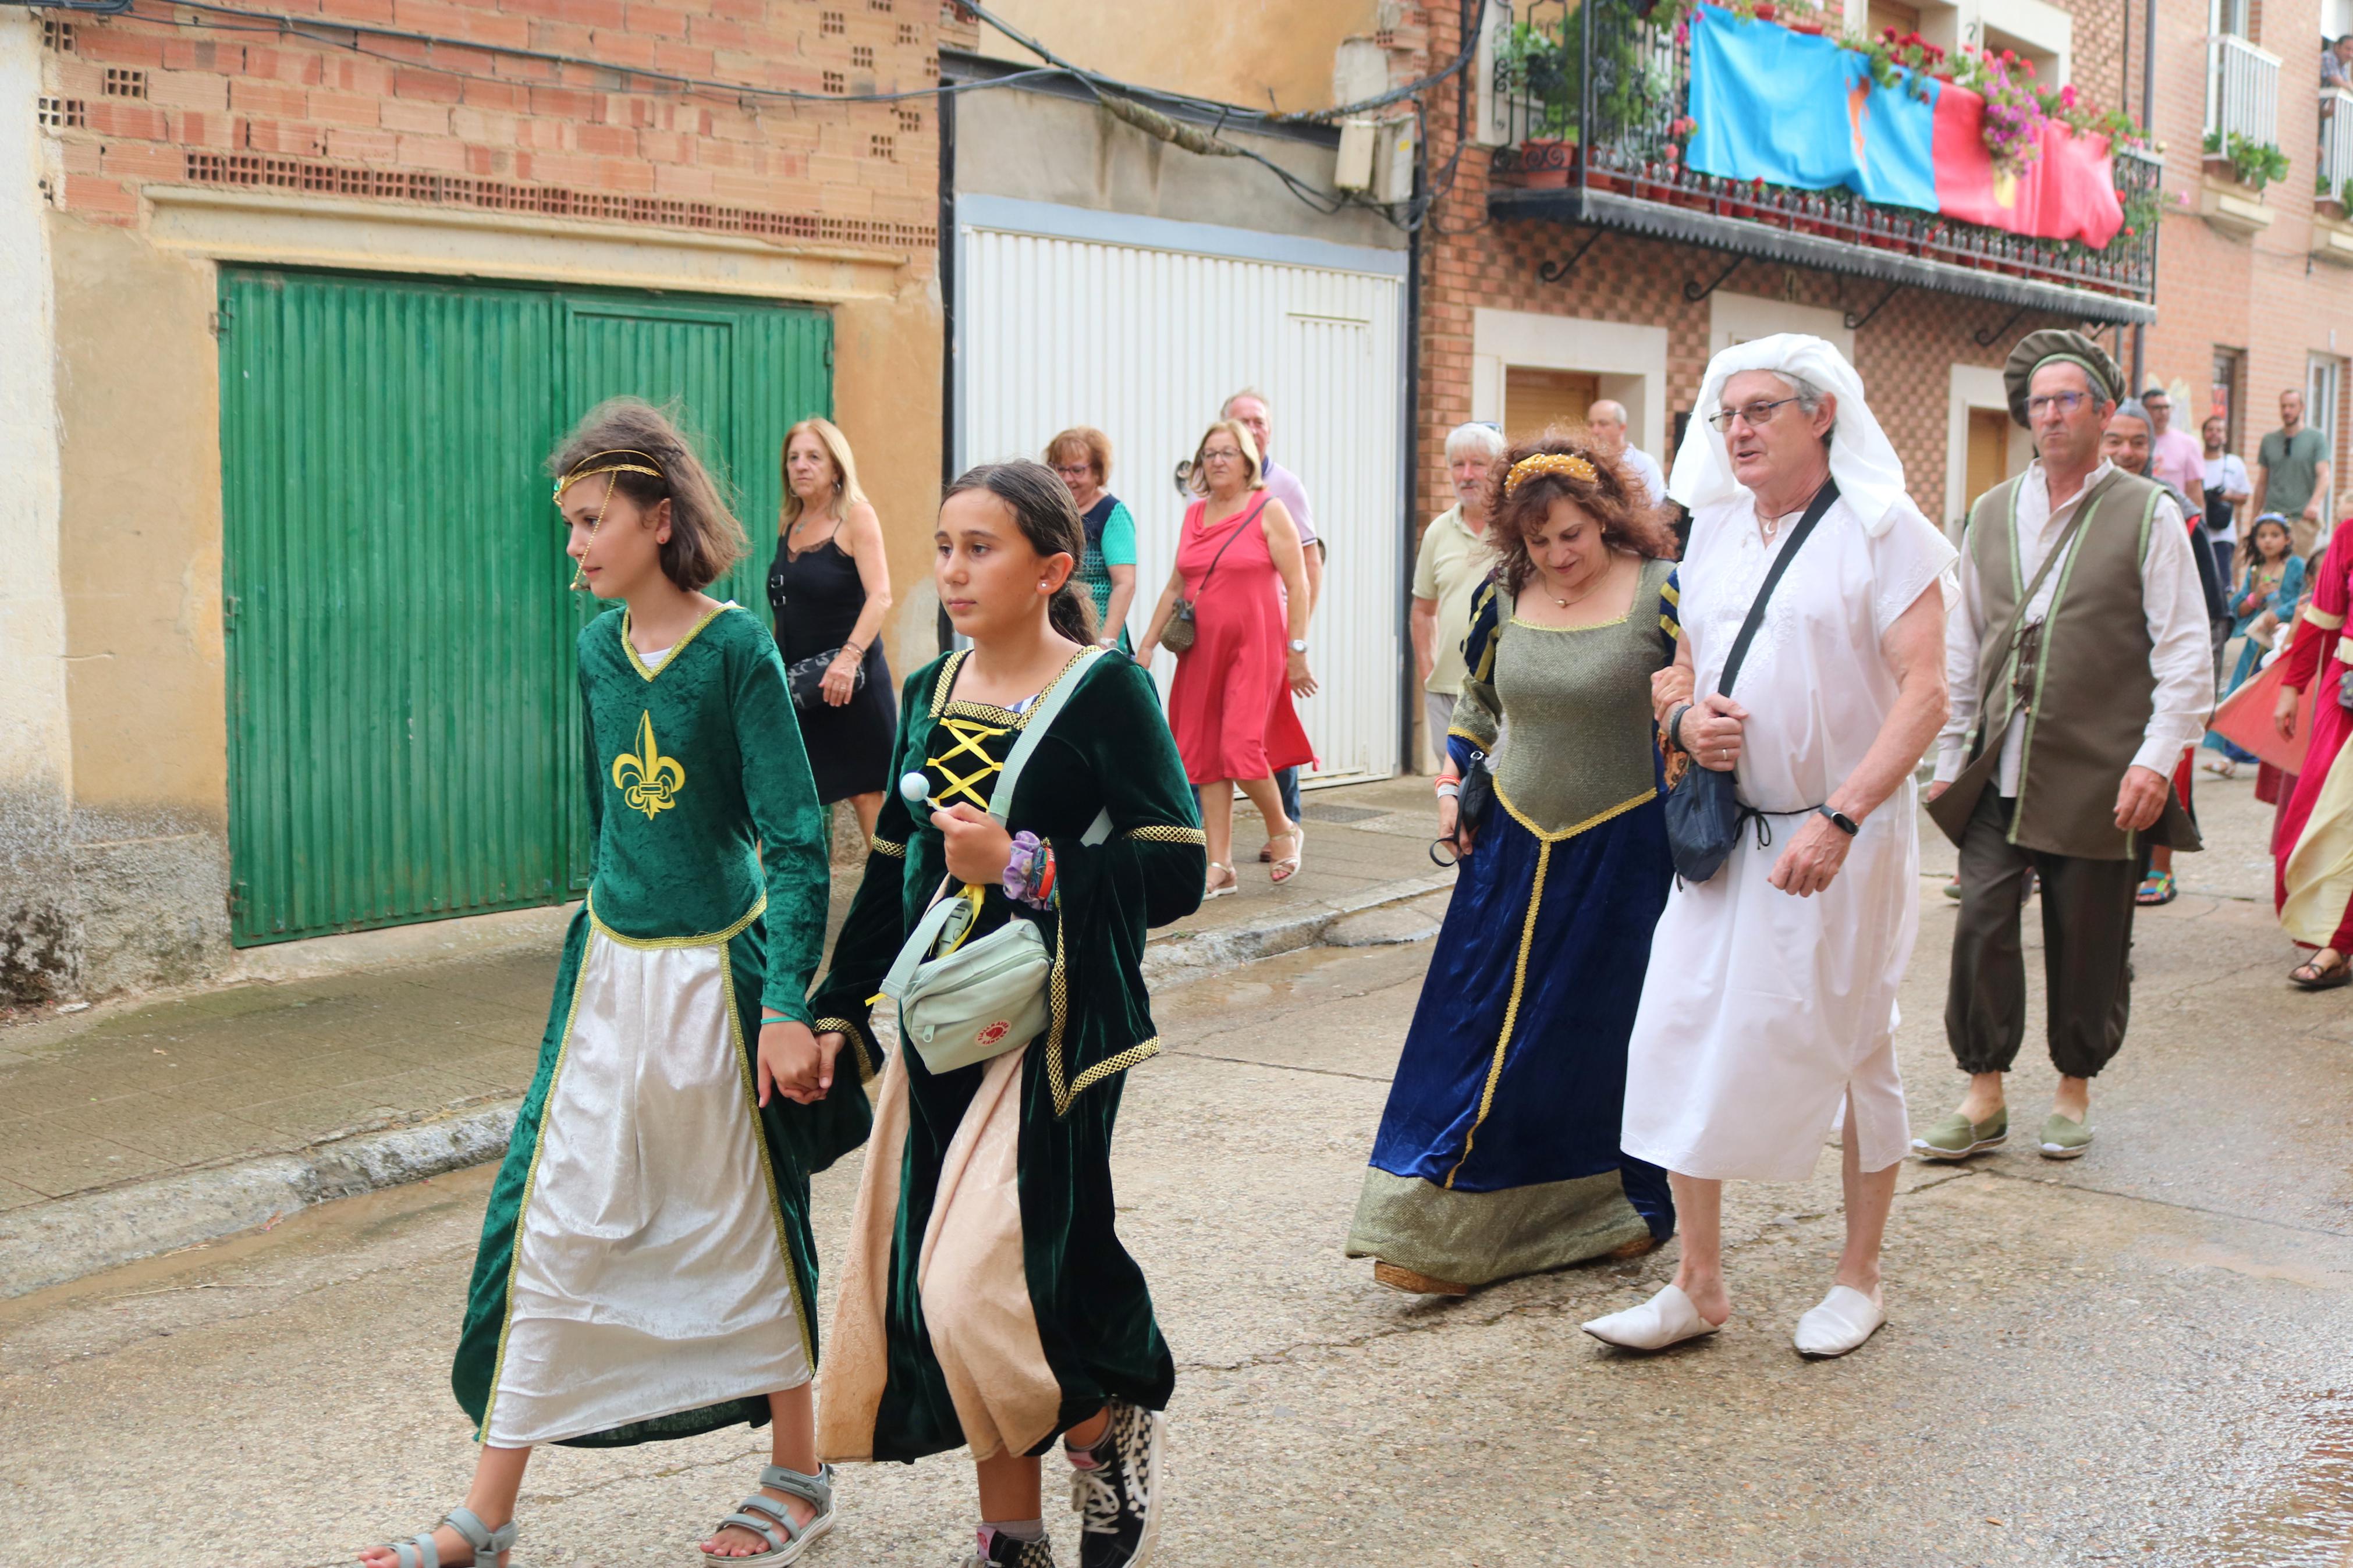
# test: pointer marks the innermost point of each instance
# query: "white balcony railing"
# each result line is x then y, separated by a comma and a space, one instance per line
2241, 90
2335, 139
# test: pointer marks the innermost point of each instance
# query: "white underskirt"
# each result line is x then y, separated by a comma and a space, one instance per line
650, 1272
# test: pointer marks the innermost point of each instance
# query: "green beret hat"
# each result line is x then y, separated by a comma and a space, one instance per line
2038, 349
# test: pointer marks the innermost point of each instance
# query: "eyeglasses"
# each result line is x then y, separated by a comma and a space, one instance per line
1758, 413
1229, 453
2063, 403
1074, 470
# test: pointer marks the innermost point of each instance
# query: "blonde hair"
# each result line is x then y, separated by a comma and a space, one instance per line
845, 468
705, 540
1197, 477
1083, 438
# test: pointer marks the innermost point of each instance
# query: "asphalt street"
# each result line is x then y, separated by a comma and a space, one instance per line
2138, 1357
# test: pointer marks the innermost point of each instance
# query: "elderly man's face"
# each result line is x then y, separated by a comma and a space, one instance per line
2065, 415
1607, 425
1251, 413
2124, 443
1469, 472
1771, 439
2344, 48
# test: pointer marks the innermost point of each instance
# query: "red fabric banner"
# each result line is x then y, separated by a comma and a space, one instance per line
2069, 193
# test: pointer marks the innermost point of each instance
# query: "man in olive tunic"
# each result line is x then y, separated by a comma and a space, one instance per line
2080, 673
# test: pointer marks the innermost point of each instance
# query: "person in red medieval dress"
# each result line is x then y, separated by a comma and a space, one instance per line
2313, 847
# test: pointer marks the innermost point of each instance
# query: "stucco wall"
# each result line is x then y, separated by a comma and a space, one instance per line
37, 916
1252, 52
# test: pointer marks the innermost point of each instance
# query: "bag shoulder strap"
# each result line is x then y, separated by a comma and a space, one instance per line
1228, 544
1049, 707
1990, 677
1814, 511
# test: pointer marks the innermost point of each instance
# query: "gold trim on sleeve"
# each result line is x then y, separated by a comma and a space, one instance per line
1166, 833
2322, 618
709, 940
857, 1038
887, 847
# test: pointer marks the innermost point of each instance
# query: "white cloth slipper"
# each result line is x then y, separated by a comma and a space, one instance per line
1666, 1319
1844, 1319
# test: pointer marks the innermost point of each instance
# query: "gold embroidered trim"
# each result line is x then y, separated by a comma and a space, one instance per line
1125, 1060
2322, 618
1166, 833
1571, 831
894, 850
670, 658
1672, 594
767, 1165
1668, 624
857, 1038
530, 1184
641, 942
1511, 1008
946, 682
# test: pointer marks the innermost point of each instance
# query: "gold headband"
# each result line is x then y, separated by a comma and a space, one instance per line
1568, 463
582, 471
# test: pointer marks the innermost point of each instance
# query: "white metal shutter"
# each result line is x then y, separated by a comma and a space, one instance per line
1144, 342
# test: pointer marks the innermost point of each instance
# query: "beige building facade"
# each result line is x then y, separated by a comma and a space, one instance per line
169, 166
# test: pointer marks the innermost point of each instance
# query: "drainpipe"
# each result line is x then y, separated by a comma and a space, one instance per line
2147, 111
947, 271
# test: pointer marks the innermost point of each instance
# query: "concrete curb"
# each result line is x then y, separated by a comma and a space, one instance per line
65, 1239
54, 1243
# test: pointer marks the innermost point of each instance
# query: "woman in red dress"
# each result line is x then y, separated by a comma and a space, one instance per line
1240, 567
2314, 842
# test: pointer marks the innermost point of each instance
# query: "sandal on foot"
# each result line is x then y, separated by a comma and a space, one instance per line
2313, 975
491, 1546
2156, 888
1286, 867
786, 1537
1213, 889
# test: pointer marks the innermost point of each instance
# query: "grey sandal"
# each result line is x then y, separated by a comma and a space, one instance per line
817, 1491
491, 1546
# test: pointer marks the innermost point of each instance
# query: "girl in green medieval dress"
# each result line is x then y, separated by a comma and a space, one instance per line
646, 1270
986, 1301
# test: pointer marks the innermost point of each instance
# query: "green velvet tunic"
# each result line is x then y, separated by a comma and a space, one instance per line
705, 830
1109, 749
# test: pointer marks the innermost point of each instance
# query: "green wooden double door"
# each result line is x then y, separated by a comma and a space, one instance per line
403, 722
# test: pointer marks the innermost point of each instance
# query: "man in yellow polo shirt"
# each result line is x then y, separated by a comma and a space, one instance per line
1454, 559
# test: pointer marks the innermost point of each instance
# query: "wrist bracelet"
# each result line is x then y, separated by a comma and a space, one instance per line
1450, 791
1675, 726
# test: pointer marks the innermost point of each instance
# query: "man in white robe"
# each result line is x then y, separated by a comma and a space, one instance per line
1770, 1000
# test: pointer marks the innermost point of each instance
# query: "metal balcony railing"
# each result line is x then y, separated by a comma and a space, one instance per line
2335, 142
1611, 129
2241, 91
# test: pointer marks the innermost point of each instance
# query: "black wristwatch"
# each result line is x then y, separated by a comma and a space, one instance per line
1841, 821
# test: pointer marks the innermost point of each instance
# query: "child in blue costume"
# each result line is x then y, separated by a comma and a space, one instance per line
646, 1270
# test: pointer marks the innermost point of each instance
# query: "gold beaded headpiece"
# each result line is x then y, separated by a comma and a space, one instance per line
1568, 463
582, 471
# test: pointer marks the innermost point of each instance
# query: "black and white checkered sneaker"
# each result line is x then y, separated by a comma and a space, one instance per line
1118, 1499
1004, 1551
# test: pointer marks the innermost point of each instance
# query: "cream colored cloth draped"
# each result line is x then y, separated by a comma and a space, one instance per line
974, 1285
650, 1272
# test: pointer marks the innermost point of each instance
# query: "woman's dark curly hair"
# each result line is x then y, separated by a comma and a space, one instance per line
1614, 497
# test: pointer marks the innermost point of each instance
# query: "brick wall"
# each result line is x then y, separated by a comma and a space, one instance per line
1904, 354
2260, 295
481, 118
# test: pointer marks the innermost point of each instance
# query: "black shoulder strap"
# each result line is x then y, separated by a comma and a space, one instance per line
1820, 504
1228, 544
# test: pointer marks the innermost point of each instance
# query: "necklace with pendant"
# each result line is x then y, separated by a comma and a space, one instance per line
1597, 587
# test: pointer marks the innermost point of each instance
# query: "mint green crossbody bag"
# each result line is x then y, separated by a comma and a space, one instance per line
963, 1002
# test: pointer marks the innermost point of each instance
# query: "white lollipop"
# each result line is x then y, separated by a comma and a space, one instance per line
914, 788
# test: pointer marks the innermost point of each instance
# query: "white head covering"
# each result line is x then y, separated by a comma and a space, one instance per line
1869, 475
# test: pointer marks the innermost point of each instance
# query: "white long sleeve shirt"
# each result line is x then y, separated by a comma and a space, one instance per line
2183, 657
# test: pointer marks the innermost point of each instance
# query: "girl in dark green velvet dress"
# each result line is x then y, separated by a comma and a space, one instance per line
986, 1301
646, 1268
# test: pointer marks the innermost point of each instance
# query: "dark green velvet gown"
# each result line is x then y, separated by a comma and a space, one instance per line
1109, 749
707, 898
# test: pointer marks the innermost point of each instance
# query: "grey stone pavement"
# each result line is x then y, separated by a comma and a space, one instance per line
2139, 1357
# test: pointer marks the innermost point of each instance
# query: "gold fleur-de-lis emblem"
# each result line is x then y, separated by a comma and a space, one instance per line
649, 781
